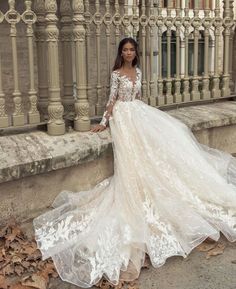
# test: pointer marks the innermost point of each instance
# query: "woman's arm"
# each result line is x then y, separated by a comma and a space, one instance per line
109, 107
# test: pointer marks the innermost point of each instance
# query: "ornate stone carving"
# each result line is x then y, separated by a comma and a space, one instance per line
79, 35
52, 34
2, 108
18, 106
1, 17
56, 125
55, 112
51, 6
77, 6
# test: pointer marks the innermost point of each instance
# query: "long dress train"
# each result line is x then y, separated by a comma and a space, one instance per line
168, 193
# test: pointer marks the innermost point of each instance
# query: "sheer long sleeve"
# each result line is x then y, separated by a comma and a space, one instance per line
112, 98
139, 90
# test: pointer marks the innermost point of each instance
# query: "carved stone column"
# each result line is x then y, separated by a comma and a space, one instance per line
151, 24
169, 23
117, 21
135, 18
92, 98
227, 23
215, 92
98, 22
3, 115
66, 39
178, 24
108, 22
196, 23
29, 19
160, 24
207, 22
40, 34
82, 120
186, 24
143, 24
13, 17
56, 124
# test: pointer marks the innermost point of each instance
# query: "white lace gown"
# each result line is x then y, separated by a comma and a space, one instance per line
168, 193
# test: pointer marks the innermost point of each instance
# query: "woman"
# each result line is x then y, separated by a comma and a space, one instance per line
168, 193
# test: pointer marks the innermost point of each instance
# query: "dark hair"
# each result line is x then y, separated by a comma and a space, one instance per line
119, 59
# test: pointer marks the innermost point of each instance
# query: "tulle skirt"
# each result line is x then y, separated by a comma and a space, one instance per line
168, 193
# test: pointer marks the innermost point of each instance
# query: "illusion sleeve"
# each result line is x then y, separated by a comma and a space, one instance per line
112, 98
139, 87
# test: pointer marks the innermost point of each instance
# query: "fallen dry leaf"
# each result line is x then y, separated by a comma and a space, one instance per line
20, 256
36, 281
19, 269
50, 269
218, 250
104, 284
132, 285
7, 270
3, 282
3, 231
120, 285
205, 247
19, 286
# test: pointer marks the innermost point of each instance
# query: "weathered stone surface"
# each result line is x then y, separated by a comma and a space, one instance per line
36, 152
200, 117
28, 197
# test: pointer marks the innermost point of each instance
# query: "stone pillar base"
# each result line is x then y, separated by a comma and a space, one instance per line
18, 120
160, 100
82, 125
205, 94
186, 96
56, 129
4, 121
225, 92
153, 101
216, 93
195, 95
33, 118
177, 98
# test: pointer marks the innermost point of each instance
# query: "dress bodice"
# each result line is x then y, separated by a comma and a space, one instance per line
122, 89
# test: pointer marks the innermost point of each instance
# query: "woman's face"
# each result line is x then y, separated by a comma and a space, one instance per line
128, 52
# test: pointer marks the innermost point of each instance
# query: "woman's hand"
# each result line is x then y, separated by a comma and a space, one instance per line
98, 128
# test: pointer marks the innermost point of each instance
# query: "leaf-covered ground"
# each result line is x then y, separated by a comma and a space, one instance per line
21, 265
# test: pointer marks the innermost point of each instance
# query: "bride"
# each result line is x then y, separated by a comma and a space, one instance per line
167, 195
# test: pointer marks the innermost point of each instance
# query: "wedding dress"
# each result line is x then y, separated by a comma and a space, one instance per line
168, 193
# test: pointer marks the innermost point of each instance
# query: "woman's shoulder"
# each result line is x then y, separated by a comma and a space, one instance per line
115, 73
138, 69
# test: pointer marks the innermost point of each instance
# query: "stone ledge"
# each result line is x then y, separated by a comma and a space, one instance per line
206, 116
36, 152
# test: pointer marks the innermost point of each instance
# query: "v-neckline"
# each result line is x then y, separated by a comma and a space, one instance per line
127, 77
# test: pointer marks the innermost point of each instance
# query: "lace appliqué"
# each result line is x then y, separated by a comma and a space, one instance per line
122, 89
63, 231
162, 242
